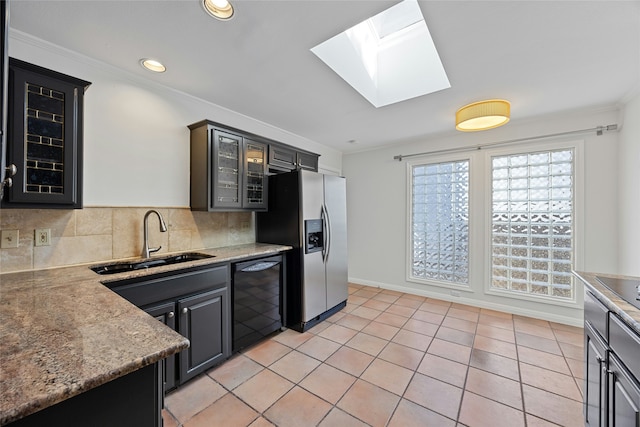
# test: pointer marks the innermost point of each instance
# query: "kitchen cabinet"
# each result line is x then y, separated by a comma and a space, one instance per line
205, 321
44, 137
612, 389
228, 169
133, 400
166, 313
595, 378
624, 395
285, 159
4, 78
195, 302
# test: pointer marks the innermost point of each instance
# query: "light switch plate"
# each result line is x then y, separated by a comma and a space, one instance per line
43, 237
9, 239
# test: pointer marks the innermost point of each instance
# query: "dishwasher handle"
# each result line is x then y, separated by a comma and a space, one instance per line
257, 266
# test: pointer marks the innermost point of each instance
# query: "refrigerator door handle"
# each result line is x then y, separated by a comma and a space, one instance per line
326, 224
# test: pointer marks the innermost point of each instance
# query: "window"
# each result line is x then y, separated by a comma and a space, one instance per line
439, 247
503, 221
532, 223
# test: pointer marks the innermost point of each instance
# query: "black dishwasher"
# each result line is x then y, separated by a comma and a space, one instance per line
257, 300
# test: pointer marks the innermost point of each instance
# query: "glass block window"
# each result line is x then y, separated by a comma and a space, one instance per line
532, 223
440, 222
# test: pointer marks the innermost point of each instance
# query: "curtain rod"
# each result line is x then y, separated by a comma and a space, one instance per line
599, 130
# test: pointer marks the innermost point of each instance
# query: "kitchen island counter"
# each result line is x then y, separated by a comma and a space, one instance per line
64, 333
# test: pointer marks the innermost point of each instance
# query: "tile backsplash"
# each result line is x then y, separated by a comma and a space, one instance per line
102, 234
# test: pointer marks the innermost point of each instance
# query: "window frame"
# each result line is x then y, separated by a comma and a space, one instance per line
472, 224
578, 214
480, 218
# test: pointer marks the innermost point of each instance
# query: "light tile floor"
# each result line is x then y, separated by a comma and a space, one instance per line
394, 359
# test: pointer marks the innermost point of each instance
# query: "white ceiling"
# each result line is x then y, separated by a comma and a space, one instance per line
542, 56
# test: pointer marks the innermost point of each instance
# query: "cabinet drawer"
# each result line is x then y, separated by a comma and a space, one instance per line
595, 313
625, 343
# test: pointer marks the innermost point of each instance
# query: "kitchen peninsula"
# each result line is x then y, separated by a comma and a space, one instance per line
65, 335
612, 343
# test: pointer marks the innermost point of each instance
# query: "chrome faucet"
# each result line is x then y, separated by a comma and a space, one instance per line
146, 251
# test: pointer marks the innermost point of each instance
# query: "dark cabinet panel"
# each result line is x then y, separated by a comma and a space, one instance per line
204, 320
133, 400
625, 344
612, 366
166, 313
624, 396
45, 137
307, 161
595, 379
284, 159
4, 78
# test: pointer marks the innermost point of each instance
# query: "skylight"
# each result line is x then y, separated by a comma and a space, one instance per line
388, 58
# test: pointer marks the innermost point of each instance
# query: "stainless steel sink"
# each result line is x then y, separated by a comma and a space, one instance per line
122, 267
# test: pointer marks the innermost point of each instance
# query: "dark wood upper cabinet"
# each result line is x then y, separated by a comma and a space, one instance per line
44, 137
4, 78
284, 158
228, 169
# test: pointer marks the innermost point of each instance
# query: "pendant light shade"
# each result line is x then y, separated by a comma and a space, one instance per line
483, 115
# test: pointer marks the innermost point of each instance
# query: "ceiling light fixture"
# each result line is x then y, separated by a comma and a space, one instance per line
219, 9
153, 65
483, 115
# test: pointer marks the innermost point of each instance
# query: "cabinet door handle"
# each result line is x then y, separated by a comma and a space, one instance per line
170, 314
185, 310
11, 170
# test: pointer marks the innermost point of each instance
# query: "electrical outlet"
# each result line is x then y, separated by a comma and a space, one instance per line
43, 237
9, 239
455, 293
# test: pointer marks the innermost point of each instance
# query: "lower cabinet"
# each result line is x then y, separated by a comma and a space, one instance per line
612, 372
134, 400
595, 378
204, 320
196, 304
624, 395
166, 313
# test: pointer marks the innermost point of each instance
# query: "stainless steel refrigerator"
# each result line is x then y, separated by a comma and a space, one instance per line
307, 210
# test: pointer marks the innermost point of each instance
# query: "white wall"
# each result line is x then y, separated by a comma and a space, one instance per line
136, 139
629, 190
377, 213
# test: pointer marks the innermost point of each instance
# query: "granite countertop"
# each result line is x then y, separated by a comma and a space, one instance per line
64, 333
627, 312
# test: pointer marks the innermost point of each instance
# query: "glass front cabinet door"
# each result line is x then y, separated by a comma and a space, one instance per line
45, 137
255, 178
227, 170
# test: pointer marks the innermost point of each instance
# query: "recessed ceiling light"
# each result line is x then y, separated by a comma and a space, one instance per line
387, 58
153, 65
219, 9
